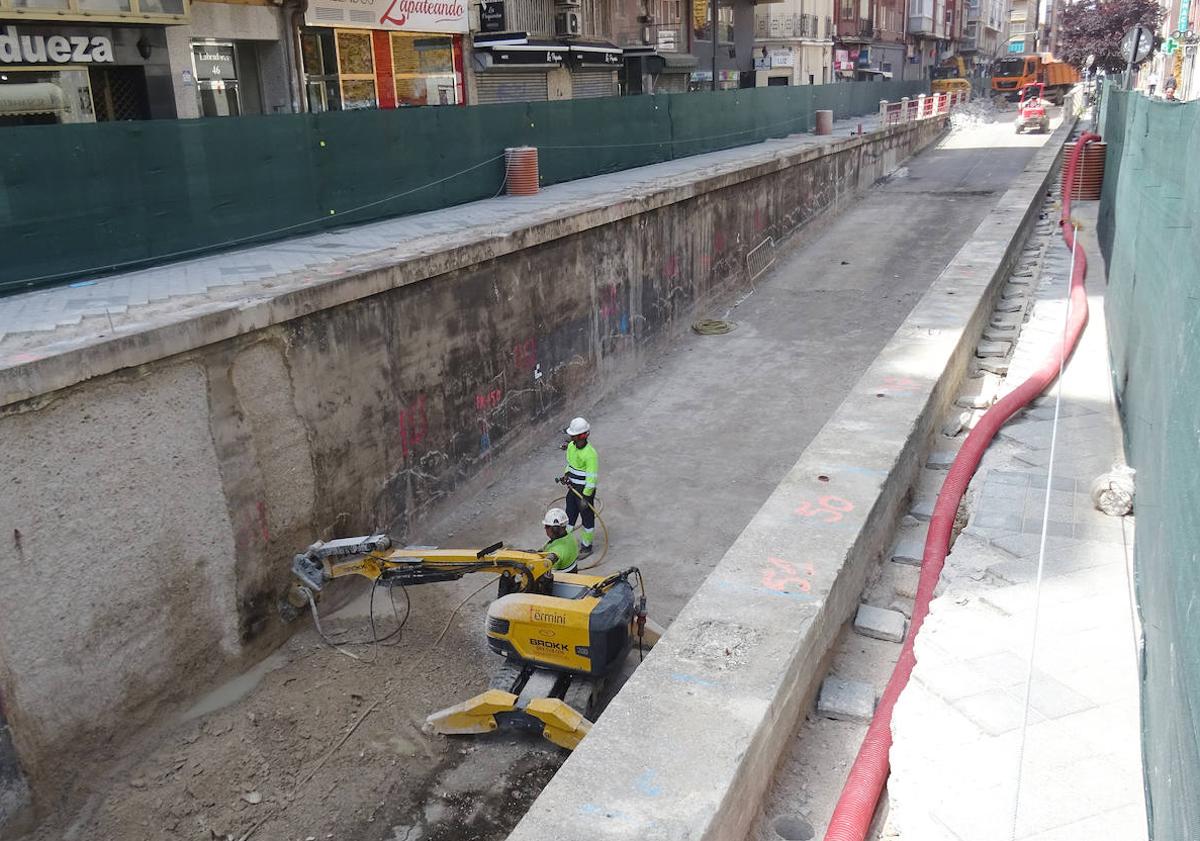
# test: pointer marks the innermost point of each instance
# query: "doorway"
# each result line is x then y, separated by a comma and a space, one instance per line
119, 93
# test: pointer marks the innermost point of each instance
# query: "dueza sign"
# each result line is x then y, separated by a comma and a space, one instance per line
406, 15
53, 49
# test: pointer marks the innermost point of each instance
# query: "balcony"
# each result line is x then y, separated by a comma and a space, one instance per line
924, 25
855, 30
769, 26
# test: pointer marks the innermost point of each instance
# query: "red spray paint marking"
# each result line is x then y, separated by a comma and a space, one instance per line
829, 509
262, 521
609, 301
414, 425
784, 577
488, 400
525, 354
671, 267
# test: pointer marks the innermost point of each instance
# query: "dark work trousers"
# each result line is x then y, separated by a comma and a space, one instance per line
577, 509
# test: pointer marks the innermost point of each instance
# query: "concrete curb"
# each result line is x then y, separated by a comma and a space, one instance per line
71, 361
688, 748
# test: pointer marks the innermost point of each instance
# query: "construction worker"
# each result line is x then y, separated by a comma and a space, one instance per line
560, 543
580, 479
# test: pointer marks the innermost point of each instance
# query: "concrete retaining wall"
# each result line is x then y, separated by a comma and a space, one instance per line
158, 483
688, 748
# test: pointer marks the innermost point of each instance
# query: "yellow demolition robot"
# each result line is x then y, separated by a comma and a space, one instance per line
561, 634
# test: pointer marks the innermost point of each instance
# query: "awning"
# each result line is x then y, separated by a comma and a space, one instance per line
506, 49
599, 53
879, 74
31, 98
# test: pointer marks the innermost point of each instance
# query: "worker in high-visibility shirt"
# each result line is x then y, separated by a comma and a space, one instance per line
560, 543
580, 479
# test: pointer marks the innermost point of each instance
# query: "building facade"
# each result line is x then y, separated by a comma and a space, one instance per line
83, 61
793, 43
984, 34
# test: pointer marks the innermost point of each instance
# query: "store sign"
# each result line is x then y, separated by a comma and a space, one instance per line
781, 58
53, 49
213, 63
491, 16
540, 56
446, 16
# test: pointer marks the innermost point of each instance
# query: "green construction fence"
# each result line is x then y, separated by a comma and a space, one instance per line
82, 200
1149, 231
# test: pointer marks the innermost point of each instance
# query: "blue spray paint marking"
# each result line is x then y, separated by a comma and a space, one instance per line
600, 811
645, 784
485, 442
79, 284
624, 328
686, 678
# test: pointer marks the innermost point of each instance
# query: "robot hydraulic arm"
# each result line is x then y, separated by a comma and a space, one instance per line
373, 557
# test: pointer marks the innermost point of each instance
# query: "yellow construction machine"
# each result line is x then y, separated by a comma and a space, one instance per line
561, 634
950, 76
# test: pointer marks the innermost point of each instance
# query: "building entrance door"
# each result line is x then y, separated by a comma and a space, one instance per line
119, 93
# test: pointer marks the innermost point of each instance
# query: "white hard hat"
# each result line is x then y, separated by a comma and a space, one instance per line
555, 517
578, 427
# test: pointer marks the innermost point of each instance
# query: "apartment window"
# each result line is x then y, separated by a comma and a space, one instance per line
669, 26
596, 18
702, 21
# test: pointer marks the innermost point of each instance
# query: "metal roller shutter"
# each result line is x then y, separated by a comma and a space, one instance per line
511, 86
591, 83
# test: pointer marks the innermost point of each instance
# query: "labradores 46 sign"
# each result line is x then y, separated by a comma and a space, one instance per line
16, 48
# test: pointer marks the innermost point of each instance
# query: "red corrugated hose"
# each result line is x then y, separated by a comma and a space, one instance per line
856, 807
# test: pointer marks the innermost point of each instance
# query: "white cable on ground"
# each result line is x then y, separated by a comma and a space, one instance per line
1041, 564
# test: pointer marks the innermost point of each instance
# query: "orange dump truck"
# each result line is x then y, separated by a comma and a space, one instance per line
1010, 76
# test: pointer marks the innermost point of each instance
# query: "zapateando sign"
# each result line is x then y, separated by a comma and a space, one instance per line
404, 15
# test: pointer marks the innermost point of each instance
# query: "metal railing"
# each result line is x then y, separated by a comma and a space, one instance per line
787, 26
922, 107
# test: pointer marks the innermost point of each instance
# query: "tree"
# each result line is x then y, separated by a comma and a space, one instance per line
1096, 27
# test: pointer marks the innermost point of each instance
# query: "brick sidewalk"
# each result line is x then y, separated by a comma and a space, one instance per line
958, 724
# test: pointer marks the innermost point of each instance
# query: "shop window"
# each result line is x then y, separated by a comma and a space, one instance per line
31, 96
423, 70
104, 5
40, 4
356, 69
161, 7
320, 71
